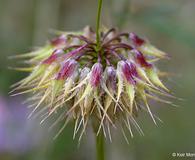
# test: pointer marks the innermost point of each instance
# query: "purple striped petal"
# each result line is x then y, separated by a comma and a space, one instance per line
67, 70
96, 74
129, 72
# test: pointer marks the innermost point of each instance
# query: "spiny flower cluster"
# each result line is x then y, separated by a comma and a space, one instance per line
106, 83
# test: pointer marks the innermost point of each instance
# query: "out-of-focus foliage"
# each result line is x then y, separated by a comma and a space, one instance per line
169, 24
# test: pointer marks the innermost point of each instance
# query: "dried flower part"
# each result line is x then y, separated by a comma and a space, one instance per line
107, 84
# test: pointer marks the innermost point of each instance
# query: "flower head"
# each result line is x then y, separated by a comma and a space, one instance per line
106, 83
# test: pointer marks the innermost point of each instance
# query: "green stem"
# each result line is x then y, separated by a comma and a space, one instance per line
100, 146
98, 23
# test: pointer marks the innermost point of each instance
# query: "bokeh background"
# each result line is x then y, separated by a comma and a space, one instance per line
169, 24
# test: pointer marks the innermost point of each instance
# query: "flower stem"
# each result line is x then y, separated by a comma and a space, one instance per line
100, 146
98, 24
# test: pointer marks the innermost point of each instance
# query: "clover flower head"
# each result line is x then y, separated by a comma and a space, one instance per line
106, 84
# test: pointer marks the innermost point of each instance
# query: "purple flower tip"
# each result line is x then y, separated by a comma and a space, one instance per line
67, 69
129, 71
96, 74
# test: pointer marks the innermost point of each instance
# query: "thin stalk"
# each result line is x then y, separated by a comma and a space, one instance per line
98, 24
100, 146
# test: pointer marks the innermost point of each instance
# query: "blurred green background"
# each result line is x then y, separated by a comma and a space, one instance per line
169, 24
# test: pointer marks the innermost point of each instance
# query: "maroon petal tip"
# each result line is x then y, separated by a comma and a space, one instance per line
140, 58
137, 41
